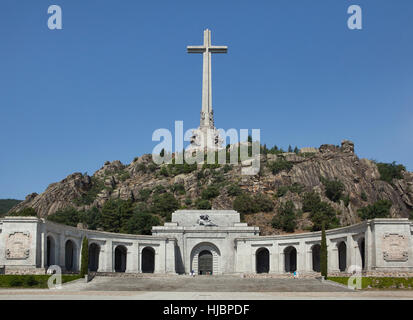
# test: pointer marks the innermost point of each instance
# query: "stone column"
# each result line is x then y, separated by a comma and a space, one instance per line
108, 256
170, 256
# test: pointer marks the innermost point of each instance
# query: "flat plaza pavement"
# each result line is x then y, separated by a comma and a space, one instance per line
200, 288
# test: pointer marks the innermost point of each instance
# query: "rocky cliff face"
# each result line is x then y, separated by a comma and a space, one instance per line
360, 177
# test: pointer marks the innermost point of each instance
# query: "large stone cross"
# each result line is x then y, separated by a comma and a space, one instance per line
207, 115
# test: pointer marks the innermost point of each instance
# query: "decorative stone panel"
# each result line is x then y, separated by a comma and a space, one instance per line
395, 247
18, 245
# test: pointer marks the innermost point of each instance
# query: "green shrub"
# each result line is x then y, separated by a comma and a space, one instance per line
282, 191
188, 201
390, 171
141, 167
16, 282
280, 165
26, 212
320, 211
245, 203
142, 223
68, 216
152, 167
227, 168
144, 194
164, 172
363, 196
30, 281
234, 190
164, 204
211, 191
346, 200
178, 188
286, 219
334, 188
124, 175
380, 209
90, 196
159, 189
203, 204
263, 203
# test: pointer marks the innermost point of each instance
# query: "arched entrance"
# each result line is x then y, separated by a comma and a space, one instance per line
342, 256
290, 259
315, 252
362, 252
205, 259
94, 251
120, 258
205, 262
51, 251
70, 252
148, 260
262, 260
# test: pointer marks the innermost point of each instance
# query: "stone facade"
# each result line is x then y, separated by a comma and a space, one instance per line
205, 241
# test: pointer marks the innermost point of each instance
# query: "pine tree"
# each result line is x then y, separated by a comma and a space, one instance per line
323, 252
84, 265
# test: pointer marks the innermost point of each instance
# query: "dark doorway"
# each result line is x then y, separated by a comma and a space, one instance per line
262, 258
342, 256
205, 262
362, 252
94, 251
51, 253
70, 255
120, 259
315, 250
290, 259
148, 260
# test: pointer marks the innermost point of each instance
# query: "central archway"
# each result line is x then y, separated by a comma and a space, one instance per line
205, 258
290, 259
205, 262
120, 258
148, 260
262, 260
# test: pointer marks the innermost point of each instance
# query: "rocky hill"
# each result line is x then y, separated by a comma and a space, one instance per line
219, 185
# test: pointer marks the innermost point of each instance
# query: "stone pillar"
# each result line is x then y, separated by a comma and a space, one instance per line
332, 256
281, 262
108, 256
43, 247
62, 261
274, 258
170, 256
350, 251
301, 257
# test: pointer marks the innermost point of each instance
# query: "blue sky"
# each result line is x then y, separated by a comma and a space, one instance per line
71, 99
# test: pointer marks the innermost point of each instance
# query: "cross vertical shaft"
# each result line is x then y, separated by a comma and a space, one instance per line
207, 114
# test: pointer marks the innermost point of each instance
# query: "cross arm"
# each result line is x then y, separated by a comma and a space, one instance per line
218, 49
195, 49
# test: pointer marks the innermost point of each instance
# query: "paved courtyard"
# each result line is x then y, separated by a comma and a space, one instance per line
201, 288
210, 284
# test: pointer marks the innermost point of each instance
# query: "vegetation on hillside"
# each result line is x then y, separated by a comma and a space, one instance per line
286, 219
390, 171
7, 204
379, 209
